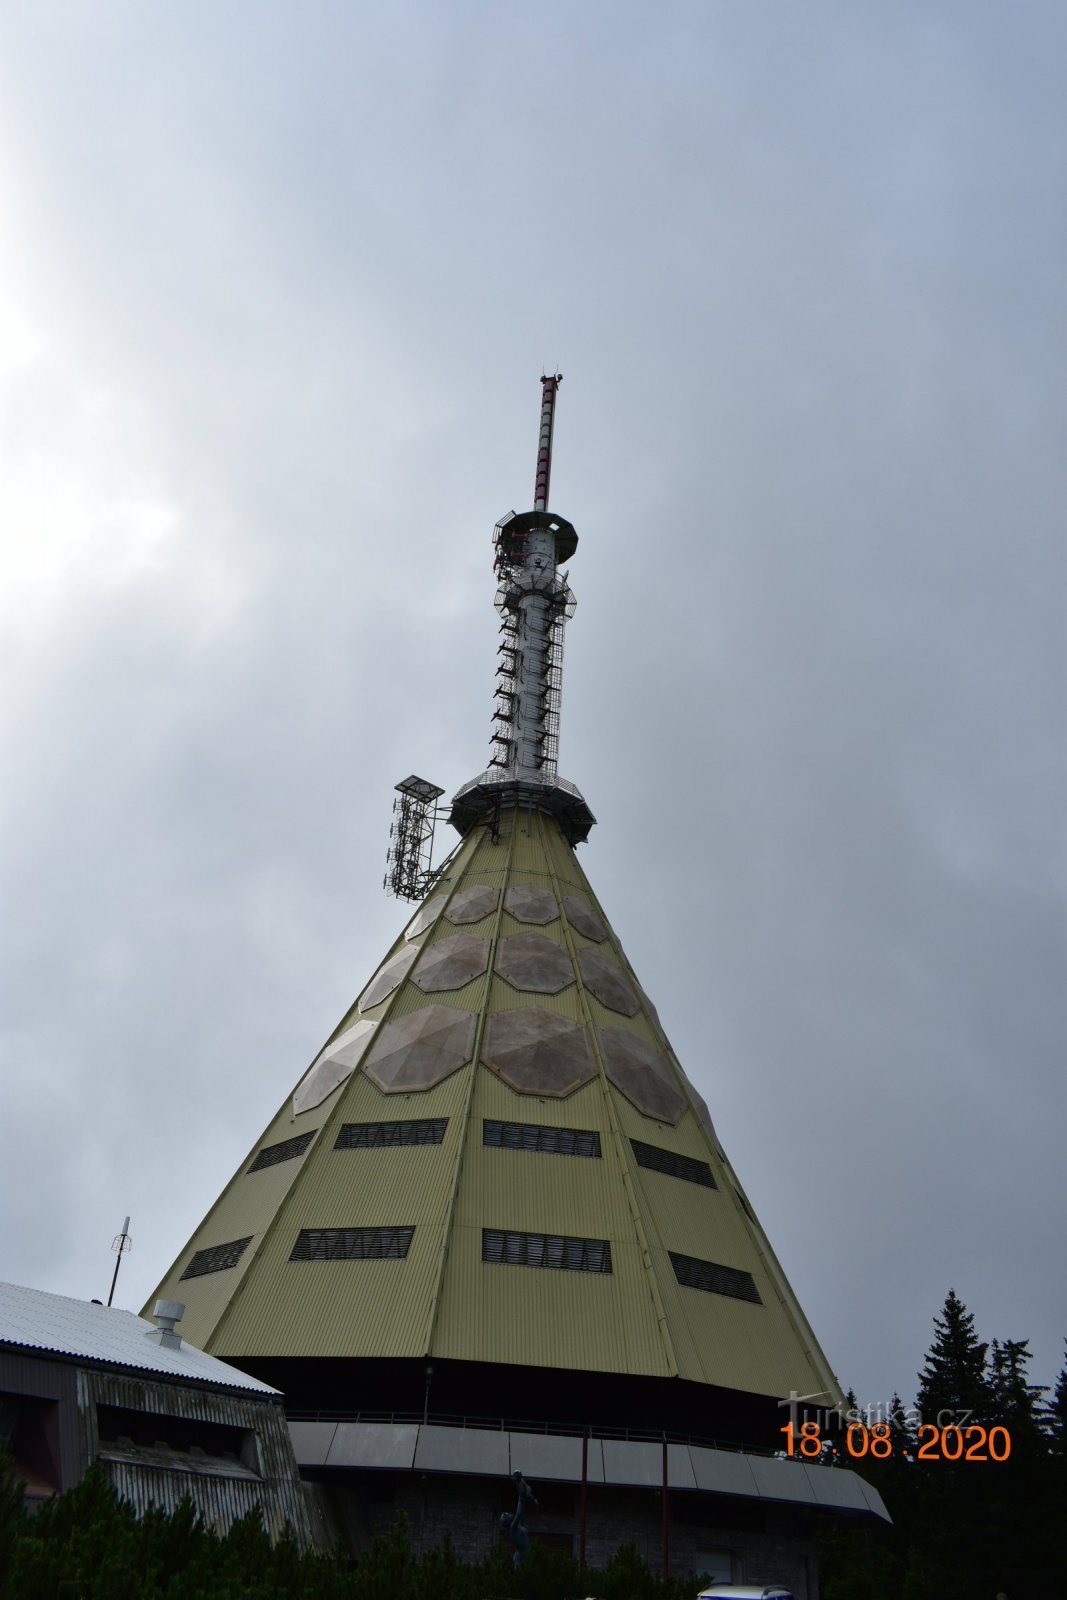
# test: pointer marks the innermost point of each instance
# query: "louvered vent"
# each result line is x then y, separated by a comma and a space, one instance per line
351, 1244
656, 1159
384, 1135
713, 1279
217, 1258
545, 1250
288, 1150
534, 1136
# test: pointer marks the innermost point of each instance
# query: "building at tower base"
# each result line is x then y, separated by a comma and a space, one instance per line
493, 1228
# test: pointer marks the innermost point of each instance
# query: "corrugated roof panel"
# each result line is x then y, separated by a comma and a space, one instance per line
33, 1319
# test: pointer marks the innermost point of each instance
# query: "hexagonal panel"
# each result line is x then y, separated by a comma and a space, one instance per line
473, 903
537, 1052
603, 976
452, 962
528, 903
533, 963
581, 915
426, 916
388, 977
642, 1073
700, 1106
420, 1050
332, 1066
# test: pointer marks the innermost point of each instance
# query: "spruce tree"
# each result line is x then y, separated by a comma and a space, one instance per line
1056, 1417
954, 1378
1017, 1403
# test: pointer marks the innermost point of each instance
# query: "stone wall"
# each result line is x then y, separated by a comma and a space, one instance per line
748, 1542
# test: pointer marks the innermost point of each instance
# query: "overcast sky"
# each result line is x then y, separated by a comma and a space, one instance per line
277, 283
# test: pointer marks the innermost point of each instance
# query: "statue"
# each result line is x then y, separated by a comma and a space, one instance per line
516, 1524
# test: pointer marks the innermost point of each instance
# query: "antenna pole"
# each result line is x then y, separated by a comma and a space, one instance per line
120, 1245
549, 389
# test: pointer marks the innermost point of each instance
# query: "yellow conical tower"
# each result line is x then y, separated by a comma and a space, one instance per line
495, 1191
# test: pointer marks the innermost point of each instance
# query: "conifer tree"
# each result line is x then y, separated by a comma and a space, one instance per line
954, 1379
1056, 1417
1017, 1403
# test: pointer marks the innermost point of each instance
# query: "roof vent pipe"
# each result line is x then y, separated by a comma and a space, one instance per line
167, 1313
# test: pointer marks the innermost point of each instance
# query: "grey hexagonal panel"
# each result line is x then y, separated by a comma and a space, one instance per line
642, 1073
332, 1066
388, 977
473, 903
603, 976
700, 1106
528, 903
450, 963
534, 964
537, 1052
426, 916
581, 915
420, 1050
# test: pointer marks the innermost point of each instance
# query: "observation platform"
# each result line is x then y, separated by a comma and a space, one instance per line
497, 790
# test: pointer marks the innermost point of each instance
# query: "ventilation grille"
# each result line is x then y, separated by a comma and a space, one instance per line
288, 1150
217, 1258
657, 1159
383, 1135
713, 1279
546, 1250
351, 1244
533, 1136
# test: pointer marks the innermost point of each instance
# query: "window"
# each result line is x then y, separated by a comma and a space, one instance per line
533, 1136
288, 1150
217, 1258
657, 1159
382, 1135
351, 1244
545, 1250
713, 1279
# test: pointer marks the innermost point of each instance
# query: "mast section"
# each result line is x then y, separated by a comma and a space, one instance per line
534, 602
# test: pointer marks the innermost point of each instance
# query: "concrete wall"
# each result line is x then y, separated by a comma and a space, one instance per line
763, 1544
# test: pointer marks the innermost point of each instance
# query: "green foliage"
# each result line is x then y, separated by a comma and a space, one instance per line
954, 1378
1056, 1417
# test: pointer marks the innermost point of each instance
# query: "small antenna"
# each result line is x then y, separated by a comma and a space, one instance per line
120, 1244
549, 389
410, 853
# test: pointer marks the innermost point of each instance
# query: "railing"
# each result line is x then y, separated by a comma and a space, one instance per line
570, 1430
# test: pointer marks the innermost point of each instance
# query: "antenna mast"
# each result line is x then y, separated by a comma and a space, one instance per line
120, 1244
534, 602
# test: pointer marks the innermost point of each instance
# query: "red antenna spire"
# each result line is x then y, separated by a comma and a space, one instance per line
549, 386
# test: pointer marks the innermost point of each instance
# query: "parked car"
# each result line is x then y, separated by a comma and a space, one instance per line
746, 1591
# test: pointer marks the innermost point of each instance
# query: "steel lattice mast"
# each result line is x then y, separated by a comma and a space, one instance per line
535, 602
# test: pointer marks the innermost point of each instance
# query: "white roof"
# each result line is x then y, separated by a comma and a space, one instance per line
36, 1320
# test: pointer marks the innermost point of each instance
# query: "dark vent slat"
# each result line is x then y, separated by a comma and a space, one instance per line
217, 1258
715, 1279
352, 1244
535, 1136
288, 1150
656, 1159
555, 1250
387, 1135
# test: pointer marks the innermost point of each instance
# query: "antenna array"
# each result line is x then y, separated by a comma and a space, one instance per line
409, 873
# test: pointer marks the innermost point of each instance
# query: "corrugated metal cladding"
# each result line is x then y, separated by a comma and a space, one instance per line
221, 1500
443, 1299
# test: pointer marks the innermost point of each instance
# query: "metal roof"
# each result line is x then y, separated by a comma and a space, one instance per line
32, 1319
445, 1297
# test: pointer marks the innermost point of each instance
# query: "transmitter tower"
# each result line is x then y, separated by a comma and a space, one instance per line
493, 1227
